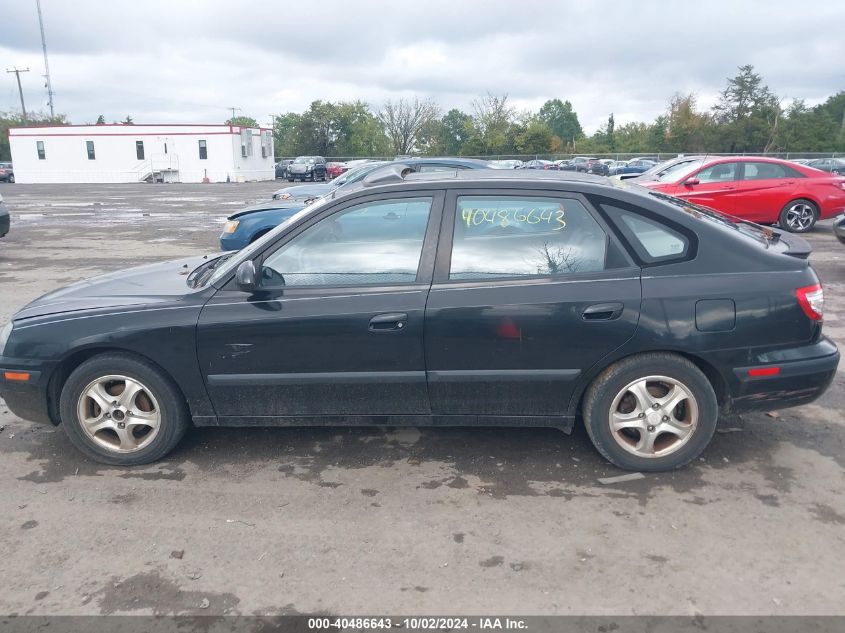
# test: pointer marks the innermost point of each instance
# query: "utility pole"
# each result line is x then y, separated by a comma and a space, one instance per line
49, 84
232, 108
18, 72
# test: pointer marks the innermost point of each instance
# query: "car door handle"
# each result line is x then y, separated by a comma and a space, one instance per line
389, 322
603, 311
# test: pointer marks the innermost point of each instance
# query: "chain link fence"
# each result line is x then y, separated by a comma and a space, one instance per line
659, 156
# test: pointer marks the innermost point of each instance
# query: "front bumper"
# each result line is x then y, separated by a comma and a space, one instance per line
28, 400
786, 378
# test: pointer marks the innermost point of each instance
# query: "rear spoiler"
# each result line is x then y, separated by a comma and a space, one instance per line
791, 244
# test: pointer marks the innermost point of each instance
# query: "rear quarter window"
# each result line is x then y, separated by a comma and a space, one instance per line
653, 241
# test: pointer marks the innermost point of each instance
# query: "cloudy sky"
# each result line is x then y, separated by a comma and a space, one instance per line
188, 60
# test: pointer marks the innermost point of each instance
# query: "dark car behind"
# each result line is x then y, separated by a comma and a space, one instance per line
4, 218
839, 228
834, 166
595, 166
307, 168
282, 168
7, 173
545, 165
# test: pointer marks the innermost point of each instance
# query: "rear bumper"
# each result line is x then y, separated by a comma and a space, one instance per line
787, 378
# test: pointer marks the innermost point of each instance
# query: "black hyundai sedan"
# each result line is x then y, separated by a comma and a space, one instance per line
484, 298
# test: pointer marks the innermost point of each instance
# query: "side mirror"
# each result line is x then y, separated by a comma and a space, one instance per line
246, 276
689, 182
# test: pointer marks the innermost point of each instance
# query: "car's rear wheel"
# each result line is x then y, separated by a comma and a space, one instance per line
798, 216
651, 412
11, 179
122, 410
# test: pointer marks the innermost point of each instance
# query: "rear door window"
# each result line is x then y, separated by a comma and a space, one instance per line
768, 171
521, 236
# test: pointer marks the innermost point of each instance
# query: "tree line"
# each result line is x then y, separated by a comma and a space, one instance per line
748, 117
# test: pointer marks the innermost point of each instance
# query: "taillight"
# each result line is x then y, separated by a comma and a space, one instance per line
811, 300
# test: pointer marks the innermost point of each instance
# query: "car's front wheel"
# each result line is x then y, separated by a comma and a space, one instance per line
799, 216
651, 412
123, 410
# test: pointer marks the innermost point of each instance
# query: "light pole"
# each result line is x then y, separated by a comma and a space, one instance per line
18, 72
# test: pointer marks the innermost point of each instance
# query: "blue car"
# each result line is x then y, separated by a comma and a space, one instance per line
247, 225
633, 166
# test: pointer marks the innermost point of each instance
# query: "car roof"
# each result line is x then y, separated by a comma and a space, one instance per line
445, 160
400, 175
399, 178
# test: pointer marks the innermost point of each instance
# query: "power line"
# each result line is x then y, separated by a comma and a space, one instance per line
18, 72
233, 108
48, 85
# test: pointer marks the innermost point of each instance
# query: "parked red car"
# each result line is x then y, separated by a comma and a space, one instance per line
763, 190
333, 170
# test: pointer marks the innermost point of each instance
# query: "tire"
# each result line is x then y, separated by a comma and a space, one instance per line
798, 216
135, 443
290, 179
11, 179
626, 448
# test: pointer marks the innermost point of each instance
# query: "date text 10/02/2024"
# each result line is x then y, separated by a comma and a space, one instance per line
417, 623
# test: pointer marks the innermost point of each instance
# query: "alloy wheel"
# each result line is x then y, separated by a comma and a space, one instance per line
800, 216
119, 413
653, 416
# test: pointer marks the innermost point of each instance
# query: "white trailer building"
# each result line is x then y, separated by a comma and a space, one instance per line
135, 153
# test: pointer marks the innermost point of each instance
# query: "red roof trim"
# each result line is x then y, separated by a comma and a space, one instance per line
128, 124
164, 134
136, 125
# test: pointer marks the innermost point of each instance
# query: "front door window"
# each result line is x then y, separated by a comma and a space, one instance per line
373, 243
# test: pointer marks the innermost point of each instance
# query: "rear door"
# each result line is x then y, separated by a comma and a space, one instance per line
763, 189
716, 187
530, 290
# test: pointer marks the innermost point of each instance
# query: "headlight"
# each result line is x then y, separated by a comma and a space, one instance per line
231, 225
4, 336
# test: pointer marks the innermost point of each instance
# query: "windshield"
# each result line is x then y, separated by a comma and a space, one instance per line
227, 267
356, 174
680, 171
302, 160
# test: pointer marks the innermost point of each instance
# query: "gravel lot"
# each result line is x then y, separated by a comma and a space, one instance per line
356, 521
